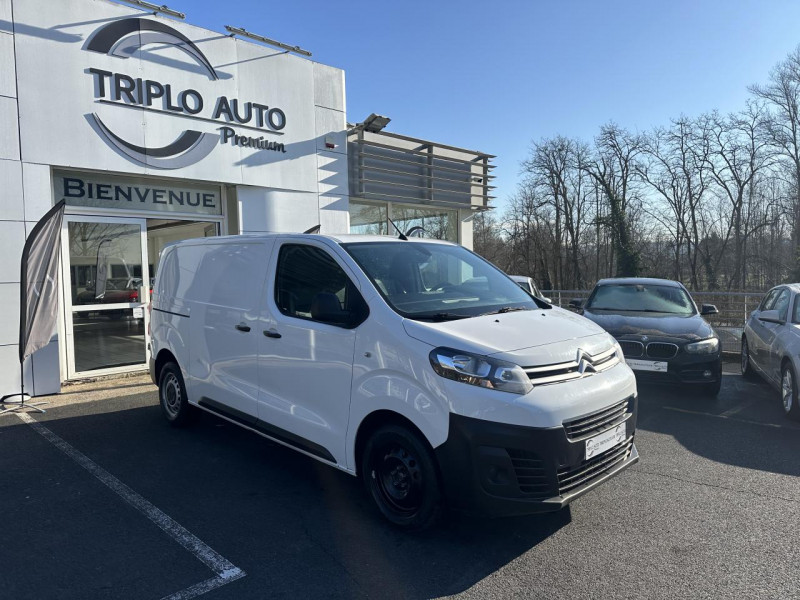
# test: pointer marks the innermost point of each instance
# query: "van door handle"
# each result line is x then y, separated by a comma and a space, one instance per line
271, 333
243, 327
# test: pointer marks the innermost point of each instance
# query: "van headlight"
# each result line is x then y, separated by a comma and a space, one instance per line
480, 370
709, 346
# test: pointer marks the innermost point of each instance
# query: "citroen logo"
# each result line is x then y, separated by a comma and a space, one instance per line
585, 367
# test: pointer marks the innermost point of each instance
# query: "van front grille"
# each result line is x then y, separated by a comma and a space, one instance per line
571, 478
583, 366
599, 420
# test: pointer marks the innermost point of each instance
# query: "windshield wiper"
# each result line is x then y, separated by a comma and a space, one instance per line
440, 316
505, 309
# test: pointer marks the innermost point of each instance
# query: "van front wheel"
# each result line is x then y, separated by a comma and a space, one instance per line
172, 395
400, 475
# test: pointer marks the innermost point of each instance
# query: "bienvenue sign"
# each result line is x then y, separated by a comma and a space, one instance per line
131, 193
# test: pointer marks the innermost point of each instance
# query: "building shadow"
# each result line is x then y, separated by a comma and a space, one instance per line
744, 426
297, 527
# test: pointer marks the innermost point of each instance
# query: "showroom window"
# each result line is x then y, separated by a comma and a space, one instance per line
373, 218
368, 219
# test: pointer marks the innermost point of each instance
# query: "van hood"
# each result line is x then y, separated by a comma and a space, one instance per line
504, 333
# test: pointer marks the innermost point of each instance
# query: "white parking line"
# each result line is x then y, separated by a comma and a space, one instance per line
739, 408
224, 570
724, 416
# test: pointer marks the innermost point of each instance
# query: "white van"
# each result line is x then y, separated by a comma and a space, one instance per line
414, 364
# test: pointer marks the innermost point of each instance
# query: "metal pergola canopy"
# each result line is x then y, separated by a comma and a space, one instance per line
399, 168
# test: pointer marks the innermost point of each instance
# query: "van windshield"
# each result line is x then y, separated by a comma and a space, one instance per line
438, 282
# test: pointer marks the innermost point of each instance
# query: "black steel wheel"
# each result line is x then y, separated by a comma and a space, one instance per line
172, 395
400, 475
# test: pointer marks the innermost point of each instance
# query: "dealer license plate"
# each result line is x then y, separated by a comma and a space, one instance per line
605, 441
647, 365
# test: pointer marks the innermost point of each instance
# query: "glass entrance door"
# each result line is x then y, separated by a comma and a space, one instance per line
108, 288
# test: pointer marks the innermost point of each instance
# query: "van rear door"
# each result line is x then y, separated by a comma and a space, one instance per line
227, 286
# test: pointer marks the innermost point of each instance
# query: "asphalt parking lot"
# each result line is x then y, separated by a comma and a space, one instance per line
110, 502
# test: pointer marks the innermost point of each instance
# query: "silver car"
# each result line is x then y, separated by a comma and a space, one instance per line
771, 344
527, 284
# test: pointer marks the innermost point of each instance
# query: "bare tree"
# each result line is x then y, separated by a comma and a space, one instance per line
712, 200
613, 167
782, 93
674, 166
487, 239
552, 170
737, 151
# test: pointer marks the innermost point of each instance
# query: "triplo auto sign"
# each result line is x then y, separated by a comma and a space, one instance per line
122, 39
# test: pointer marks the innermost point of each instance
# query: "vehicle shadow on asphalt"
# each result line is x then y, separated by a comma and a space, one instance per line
744, 426
297, 527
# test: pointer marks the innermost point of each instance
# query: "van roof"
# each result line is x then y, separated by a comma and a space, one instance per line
346, 238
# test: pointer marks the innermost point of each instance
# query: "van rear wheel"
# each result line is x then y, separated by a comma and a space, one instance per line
172, 395
400, 475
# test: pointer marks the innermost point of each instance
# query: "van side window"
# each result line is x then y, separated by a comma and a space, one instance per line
305, 276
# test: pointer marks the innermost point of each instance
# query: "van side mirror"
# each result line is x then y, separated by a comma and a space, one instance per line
708, 309
326, 308
548, 300
576, 303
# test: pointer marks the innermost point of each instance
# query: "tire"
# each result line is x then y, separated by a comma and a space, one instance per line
789, 392
401, 477
747, 368
172, 395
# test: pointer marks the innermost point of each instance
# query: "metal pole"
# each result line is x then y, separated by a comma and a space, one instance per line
21, 404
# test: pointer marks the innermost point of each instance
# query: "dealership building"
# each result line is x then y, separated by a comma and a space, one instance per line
153, 130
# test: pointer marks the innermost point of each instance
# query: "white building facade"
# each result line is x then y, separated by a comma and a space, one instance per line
153, 130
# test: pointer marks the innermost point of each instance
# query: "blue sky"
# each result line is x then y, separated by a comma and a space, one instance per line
493, 76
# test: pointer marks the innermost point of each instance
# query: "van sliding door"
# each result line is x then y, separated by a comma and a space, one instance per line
227, 286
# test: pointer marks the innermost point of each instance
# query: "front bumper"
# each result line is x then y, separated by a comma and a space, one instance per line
685, 369
496, 469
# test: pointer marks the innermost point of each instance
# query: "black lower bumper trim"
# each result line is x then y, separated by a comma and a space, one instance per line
497, 469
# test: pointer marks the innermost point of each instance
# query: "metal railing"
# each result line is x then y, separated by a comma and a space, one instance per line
734, 309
